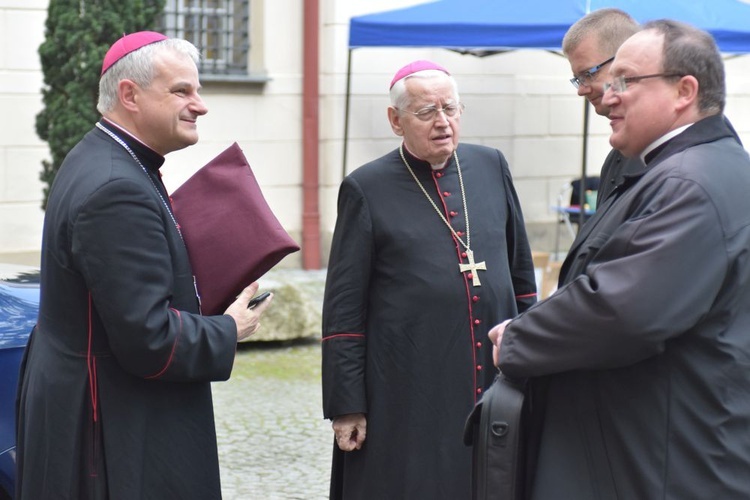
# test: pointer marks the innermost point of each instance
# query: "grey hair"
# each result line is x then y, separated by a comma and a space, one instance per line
691, 51
138, 66
400, 98
610, 26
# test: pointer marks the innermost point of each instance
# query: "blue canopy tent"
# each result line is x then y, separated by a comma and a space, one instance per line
483, 27
505, 24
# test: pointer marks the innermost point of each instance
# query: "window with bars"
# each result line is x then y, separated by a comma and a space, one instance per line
219, 28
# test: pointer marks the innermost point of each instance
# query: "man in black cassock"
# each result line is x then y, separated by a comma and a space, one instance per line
639, 365
429, 251
115, 396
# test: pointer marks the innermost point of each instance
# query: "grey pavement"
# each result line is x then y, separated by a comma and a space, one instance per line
273, 441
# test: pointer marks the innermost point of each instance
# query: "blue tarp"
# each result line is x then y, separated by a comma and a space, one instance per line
492, 25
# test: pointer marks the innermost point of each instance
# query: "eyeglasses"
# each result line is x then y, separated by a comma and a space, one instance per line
588, 76
429, 113
620, 84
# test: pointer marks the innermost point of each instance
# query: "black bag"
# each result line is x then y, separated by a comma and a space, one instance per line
495, 430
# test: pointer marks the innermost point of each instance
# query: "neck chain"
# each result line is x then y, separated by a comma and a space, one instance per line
472, 267
119, 141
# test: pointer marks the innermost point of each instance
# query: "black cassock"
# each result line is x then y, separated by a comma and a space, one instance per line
115, 397
404, 331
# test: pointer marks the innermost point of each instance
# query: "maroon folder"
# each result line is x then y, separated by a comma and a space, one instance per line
232, 236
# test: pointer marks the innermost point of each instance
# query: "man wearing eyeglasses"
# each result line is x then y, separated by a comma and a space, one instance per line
429, 251
639, 364
590, 45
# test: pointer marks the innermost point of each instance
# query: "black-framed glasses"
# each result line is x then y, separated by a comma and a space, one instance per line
429, 113
588, 76
620, 84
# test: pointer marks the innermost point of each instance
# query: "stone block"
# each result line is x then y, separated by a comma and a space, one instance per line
296, 311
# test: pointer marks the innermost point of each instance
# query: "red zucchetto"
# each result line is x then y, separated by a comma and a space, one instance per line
415, 66
128, 44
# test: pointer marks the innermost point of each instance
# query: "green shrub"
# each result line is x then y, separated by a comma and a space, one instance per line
77, 35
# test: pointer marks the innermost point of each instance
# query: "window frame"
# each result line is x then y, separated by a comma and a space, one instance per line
223, 40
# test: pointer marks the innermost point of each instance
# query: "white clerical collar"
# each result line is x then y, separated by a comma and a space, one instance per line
661, 140
436, 166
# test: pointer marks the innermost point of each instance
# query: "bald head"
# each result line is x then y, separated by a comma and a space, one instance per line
667, 76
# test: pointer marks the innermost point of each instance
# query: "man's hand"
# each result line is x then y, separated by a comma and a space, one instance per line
496, 336
247, 320
350, 431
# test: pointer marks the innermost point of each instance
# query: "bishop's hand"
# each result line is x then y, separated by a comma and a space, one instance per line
247, 320
350, 431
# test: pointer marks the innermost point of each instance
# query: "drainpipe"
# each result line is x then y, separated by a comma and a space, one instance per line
310, 154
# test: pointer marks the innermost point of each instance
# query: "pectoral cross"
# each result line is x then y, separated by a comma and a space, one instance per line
473, 267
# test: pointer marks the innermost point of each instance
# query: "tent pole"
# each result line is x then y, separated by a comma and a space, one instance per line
582, 190
346, 111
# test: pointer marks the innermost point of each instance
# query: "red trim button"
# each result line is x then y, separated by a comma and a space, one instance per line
479, 368
479, 345
477, 321
475, 298
446, 193
479, 390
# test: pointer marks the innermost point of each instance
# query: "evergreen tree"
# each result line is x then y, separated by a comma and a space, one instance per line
77, 35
